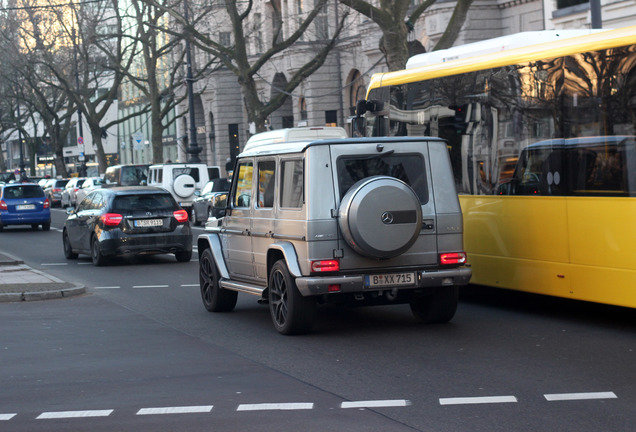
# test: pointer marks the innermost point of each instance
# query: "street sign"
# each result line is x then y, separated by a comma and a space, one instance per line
80, 140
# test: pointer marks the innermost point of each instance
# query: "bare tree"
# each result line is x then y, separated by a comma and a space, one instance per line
157, 71
246, 65
396, 18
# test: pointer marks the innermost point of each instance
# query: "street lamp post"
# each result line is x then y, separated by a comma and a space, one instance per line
193, 149
20, 143
80, 138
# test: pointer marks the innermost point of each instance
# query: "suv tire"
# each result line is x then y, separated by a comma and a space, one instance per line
440, 307
215, 298
291, 312
380, 217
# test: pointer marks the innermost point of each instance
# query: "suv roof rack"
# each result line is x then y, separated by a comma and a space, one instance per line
294, 134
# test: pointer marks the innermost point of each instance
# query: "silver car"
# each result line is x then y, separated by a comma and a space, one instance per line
361, 221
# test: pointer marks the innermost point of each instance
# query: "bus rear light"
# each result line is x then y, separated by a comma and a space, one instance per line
111, 219
325, 266
453, 258
181, 216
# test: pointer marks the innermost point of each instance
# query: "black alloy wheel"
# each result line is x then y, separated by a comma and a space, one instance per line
291, 312
215, 298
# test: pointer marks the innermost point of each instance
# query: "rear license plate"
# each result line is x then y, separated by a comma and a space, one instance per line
148, 222
389, 280
25, 207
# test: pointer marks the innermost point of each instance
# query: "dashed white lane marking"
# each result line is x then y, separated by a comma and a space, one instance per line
376, 403
7, 416
74, 414
477, 400
580, 396
176, 410
108, 287
54, 264
190, 285
276, 406
151, 286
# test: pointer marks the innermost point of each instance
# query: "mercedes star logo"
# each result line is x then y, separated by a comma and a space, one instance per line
387, 218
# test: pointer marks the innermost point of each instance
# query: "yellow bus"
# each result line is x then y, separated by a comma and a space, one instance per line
541, 131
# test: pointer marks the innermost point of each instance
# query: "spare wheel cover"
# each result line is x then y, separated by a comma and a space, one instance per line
380, 217
184, 186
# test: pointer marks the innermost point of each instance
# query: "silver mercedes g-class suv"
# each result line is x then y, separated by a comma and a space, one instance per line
316, 217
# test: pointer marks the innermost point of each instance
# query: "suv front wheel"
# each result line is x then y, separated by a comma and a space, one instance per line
291, 312
215, 298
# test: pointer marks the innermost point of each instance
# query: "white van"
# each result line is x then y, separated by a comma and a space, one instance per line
182, 180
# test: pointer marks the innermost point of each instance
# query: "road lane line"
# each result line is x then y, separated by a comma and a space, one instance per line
477, 400
54, 264
376, 403
176, 410
275, 406
580, 396
190, 285
74, 414
7, 416
151, 286
108, 287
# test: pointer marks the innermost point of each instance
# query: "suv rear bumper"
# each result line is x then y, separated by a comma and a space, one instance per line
318, 285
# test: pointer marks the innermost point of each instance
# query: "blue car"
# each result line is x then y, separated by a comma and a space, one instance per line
24, 204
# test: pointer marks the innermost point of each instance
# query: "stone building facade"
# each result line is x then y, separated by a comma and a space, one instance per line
329, 95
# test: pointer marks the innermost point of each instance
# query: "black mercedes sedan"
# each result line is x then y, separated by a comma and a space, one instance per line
123, 221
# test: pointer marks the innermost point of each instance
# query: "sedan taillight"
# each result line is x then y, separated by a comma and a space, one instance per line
181, 216
3, 205
47, 204
111, 219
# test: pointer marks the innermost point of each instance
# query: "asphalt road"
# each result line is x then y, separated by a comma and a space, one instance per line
139, 351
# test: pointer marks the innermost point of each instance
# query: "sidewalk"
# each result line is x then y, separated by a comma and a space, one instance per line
19, 282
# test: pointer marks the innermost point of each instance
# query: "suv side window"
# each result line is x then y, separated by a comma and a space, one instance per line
266, 182
292, 185
243, 178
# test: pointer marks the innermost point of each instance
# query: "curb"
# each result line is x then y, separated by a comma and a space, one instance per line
42, 295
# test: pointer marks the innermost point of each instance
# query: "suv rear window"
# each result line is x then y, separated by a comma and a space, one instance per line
406, 167
15, 192
124, 203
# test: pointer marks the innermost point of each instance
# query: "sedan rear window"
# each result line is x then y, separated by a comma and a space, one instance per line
25, 191
125, 203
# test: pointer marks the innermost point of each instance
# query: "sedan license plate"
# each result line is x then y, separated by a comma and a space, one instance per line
148, 222
25, 207
389, 280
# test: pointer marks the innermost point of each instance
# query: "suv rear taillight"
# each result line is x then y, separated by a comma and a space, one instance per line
3, 205
452, 258
47, 204
111, 219
181, 216
325, 266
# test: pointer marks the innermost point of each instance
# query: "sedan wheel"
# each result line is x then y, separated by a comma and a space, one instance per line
194, 217
215, 298
68, 250
291, 312
96, 253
